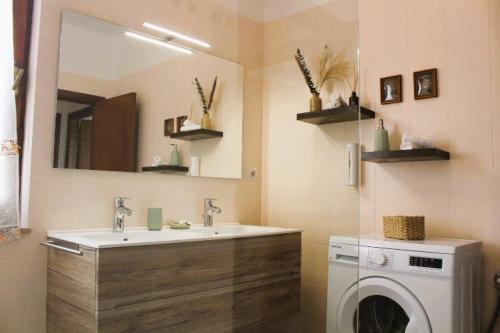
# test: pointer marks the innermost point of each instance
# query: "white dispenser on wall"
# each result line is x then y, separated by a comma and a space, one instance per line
352, 164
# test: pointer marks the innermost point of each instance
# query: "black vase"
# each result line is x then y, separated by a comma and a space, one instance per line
354, 99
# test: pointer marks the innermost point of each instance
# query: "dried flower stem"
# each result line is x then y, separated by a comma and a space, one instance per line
212, 93
199, 88
305, 72
355, 79
201, 93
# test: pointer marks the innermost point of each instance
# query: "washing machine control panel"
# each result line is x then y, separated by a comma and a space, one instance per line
425, 264
406, 261
377, 258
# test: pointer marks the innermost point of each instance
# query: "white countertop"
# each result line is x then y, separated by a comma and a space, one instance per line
430, 244
106, 238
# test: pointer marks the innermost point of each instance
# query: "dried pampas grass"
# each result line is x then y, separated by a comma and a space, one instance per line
331, 67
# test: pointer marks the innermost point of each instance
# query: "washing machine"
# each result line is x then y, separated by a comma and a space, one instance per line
429, 286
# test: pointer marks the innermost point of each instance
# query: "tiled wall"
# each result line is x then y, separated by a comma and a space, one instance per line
67, 199
304, 165
459, 198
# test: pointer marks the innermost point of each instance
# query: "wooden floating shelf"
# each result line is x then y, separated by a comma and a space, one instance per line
414, 155
336, 115
165, 169
199, 134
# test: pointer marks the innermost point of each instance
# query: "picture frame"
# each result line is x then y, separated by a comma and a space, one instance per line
425, 84
168, 126
391, 89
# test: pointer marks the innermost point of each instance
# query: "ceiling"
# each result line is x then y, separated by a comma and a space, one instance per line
269, 10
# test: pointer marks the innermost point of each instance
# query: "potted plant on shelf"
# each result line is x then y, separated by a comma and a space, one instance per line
207, 105
330, 67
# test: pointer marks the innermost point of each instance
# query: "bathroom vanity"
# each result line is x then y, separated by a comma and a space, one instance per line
205, 279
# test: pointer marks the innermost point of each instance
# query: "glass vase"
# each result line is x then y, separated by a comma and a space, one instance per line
315, 103
205, 121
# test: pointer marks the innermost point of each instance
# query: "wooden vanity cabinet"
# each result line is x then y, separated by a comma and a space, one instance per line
204, 286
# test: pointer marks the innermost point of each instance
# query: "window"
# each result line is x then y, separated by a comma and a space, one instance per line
15, 29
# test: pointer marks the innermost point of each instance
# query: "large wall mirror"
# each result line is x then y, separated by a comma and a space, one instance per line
123, 100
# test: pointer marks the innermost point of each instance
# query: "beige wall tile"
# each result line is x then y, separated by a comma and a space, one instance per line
496, 179
495, 21
495, 66
471, 179
315, 264
314, 308
495, 104
367, 182
319, 305
35, 270
11, 324
429, 120
391, 44
426, 33
473, 222
338, 219
393, 184
367, 219
431, 182
307, 307
12, 287
471, 38
34, 323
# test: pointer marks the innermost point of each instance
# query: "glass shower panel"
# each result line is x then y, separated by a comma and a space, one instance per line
307, 155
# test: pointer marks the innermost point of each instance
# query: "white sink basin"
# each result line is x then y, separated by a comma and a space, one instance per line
236, 230
105, 238
138, 236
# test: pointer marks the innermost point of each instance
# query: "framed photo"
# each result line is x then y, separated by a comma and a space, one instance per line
168, 127
180, 121
391, 89
425, 84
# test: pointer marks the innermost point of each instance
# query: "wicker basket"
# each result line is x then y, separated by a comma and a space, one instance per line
404, 227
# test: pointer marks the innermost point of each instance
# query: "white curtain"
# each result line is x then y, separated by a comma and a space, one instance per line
9, 157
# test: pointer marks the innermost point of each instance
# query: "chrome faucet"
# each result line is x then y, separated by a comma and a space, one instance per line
119, 215
209, 209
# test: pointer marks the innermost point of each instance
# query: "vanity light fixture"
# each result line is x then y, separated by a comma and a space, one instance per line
158, 42
176, 34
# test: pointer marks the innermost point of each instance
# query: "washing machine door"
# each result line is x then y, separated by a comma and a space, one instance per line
385, 306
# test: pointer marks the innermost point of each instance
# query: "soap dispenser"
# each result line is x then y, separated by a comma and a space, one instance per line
175, 156
381, 142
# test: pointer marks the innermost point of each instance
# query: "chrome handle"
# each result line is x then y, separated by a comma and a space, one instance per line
53, 244
119, 201
18, 73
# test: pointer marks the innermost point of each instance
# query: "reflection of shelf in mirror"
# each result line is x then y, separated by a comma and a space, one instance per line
199, 134
413, 155
165, 169
336, 115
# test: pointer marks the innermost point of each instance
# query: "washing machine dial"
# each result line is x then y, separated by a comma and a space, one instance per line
380, 259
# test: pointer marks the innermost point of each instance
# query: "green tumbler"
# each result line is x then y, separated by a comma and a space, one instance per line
155, 219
